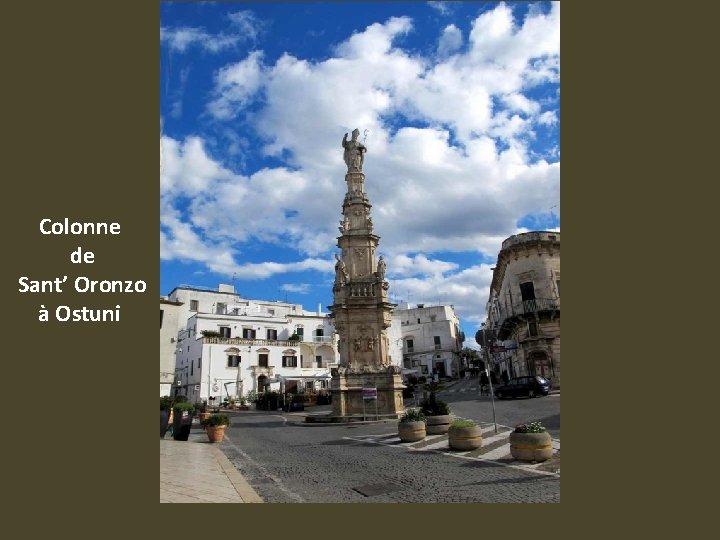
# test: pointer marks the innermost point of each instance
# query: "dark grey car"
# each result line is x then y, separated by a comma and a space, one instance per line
530, 386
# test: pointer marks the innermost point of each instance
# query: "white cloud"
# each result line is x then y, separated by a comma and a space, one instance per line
442, 7
235, 85
180, 39
300, 288
450, 40
249, 25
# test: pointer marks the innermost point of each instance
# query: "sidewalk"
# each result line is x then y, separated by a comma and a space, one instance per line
196, 471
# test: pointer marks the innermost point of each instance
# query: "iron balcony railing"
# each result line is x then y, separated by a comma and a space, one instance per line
526, 307
267, 342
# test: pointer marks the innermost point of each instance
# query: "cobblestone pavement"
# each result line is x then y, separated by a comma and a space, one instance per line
285, 460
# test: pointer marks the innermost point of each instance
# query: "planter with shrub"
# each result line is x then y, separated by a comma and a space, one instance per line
437, 412
183, 413
411, 427
531, 442
464, 435
215, 426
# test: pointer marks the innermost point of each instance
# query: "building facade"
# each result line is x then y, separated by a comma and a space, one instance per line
523, 310
249, 345
431, 339
169, 322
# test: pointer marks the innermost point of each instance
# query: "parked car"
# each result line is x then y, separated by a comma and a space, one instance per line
530, 386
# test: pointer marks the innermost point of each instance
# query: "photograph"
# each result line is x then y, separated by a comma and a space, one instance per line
359, 252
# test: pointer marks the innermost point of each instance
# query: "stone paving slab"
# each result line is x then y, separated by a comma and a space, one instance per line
196, 471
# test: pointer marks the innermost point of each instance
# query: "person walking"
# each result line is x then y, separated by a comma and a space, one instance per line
484, 382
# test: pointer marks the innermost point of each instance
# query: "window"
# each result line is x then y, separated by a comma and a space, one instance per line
299, 331
437, 342
432, 318
225, 331
221, 308
557, 282
410, 345
191, 368
193, 305
324, 384
318, 360
319, 335
161, 317
248, 333
289, 361
271, 334
527, 291
233, 360
418, 320
199, 363
309, 385
532, 328
271, 311
263, 359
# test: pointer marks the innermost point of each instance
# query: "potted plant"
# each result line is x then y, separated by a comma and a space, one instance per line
242, 404
294, 337
464, 435
437, 412
201, 410
215, 426
411, 427
531, 442
183, 420
166, 403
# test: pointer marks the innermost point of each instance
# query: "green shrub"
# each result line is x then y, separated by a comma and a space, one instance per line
462, 424
413, 415
530, 427
434, 407
217, 420
294, 337
180, 399
183, 406
201, 406
166, 403
210, 333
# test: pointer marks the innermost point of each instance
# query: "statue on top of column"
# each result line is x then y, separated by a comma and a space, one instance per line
354, 151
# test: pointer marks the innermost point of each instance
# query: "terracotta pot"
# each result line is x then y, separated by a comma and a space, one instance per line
215, 433
465, 438
438, 424
531, 446
411, 431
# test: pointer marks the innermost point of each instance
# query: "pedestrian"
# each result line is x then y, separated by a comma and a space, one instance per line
505, 376
484, 381
493, 378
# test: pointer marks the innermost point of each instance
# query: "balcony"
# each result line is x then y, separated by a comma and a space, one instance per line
267, 342
507, 317
317, 339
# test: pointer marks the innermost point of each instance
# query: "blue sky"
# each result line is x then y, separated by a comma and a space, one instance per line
458, 104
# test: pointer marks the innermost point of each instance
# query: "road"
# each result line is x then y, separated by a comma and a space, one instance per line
288, 460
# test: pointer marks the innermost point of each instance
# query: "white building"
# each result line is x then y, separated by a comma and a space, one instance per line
251, 350
523, 309
169, 322
431, 339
